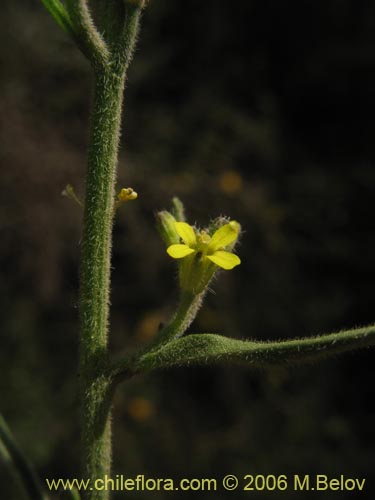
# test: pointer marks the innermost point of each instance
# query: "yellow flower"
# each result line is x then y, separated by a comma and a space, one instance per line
205, 246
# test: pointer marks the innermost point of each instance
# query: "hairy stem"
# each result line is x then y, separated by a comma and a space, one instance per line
185, 314
95, 275
88, 38
95, 384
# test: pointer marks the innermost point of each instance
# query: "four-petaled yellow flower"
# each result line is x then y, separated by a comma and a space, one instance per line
206, 246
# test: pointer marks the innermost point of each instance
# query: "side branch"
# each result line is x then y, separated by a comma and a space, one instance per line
204, 349
126, 40
88, 37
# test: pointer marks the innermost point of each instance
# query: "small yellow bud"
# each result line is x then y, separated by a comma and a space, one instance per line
127, 194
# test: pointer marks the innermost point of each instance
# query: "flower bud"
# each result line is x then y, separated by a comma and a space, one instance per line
127, 194
178, 209
166, 227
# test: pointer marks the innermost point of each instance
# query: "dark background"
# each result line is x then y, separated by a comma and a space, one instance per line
257, 109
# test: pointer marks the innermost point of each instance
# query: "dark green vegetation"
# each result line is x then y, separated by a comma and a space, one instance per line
264, 114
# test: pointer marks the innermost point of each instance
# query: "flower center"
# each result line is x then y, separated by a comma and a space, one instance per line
203, 240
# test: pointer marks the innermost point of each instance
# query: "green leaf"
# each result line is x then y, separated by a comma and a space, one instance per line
202, 349
18, 464
59, 13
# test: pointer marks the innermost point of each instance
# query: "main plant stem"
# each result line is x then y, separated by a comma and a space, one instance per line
95, 277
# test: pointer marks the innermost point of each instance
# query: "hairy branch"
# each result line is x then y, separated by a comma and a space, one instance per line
88, 37
126, 39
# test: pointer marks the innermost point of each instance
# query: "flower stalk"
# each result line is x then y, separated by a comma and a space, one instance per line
185, 314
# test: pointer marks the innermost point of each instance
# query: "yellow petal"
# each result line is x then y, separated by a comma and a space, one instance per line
224, 236
179, 251
186, 233
226, 260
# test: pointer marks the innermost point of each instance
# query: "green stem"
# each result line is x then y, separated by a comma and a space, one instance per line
95, 385
87, 37
110, 65
95, 275
185, 314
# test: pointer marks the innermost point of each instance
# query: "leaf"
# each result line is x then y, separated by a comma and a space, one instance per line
203, 349
19, 464
59, 13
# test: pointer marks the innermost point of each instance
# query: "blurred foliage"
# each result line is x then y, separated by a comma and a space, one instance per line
260, 110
